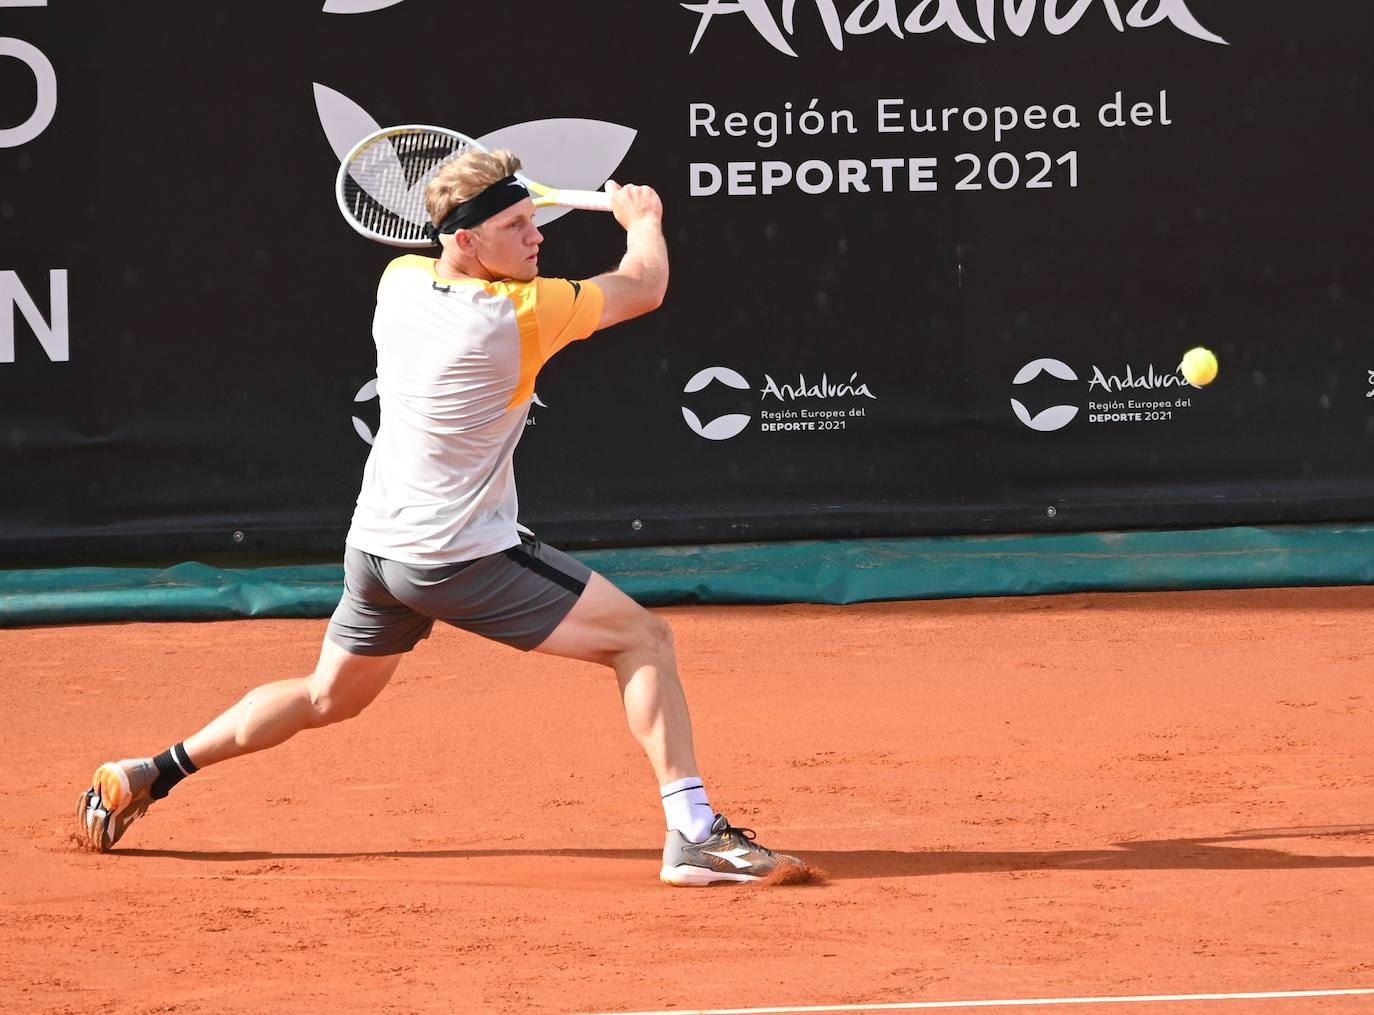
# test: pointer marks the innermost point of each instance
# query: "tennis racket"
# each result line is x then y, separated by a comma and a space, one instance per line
381, 183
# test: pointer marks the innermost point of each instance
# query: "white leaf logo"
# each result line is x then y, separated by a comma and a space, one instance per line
725, 375
1053, 367
345, 122
1056, 417
365, 394
358, 7
722, 428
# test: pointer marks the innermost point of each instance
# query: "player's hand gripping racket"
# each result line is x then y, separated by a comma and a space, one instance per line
381, 183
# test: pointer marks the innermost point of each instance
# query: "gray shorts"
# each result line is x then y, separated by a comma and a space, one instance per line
516, 597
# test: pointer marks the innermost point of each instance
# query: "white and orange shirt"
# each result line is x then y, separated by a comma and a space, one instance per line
456, 368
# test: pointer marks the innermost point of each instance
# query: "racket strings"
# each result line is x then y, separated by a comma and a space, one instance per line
384, 187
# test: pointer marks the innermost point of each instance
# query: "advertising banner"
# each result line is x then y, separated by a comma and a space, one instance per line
934, 264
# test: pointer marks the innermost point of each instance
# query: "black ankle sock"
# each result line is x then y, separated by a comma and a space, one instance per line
173, 765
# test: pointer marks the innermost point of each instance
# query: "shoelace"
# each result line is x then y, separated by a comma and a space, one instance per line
748, 837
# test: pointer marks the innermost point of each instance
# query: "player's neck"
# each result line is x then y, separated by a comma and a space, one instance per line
456, 268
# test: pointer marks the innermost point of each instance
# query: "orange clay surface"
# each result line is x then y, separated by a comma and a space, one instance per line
1014, 798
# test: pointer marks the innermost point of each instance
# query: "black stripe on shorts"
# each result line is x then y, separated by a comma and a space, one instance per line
546, 570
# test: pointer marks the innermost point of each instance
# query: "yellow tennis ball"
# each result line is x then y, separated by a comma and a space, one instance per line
1199, 366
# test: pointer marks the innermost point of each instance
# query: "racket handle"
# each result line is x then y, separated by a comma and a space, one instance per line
586, 200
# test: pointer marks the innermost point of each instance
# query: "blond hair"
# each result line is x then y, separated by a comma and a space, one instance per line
463, 178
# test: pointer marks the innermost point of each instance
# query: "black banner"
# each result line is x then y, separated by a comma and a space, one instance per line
935, 263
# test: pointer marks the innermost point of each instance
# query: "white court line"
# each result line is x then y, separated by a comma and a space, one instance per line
1014, 1003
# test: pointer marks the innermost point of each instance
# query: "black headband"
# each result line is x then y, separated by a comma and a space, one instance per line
495, 199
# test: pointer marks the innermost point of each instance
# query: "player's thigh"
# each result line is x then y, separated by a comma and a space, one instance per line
606, 623
344, 683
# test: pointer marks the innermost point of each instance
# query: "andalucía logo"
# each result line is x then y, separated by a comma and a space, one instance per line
844, 18
838, 407
824, 388
1056, 417
1126, 397
723, 427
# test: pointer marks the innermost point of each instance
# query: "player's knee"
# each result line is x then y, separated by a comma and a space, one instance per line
329, 707
657, 638
637, 639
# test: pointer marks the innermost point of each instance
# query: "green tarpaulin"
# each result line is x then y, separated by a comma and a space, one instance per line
829, 571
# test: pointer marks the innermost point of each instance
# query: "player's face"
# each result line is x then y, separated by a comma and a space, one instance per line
508, 243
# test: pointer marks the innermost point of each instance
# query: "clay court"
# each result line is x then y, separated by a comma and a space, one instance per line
1033, 798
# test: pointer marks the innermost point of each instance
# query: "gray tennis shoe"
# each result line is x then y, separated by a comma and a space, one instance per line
728, 854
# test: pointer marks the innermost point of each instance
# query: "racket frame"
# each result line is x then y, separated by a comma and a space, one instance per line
541, 194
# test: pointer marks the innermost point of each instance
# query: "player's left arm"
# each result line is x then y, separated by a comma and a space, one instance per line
566, 311
638, 285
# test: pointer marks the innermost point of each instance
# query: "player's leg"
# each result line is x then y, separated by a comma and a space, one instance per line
535, 597
342, 685
367, 636
608, 627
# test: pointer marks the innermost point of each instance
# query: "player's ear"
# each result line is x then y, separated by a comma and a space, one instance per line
466, 241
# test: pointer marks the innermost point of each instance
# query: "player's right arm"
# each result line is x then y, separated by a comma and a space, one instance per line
638, 285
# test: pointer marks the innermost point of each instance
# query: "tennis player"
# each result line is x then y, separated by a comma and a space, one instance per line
460, 341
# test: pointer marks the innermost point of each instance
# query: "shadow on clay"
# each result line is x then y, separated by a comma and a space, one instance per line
1223, 852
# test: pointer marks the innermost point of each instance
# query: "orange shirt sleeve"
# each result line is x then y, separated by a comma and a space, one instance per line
551, 312
566, 311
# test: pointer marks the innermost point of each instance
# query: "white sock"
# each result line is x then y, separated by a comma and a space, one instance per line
687, 809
